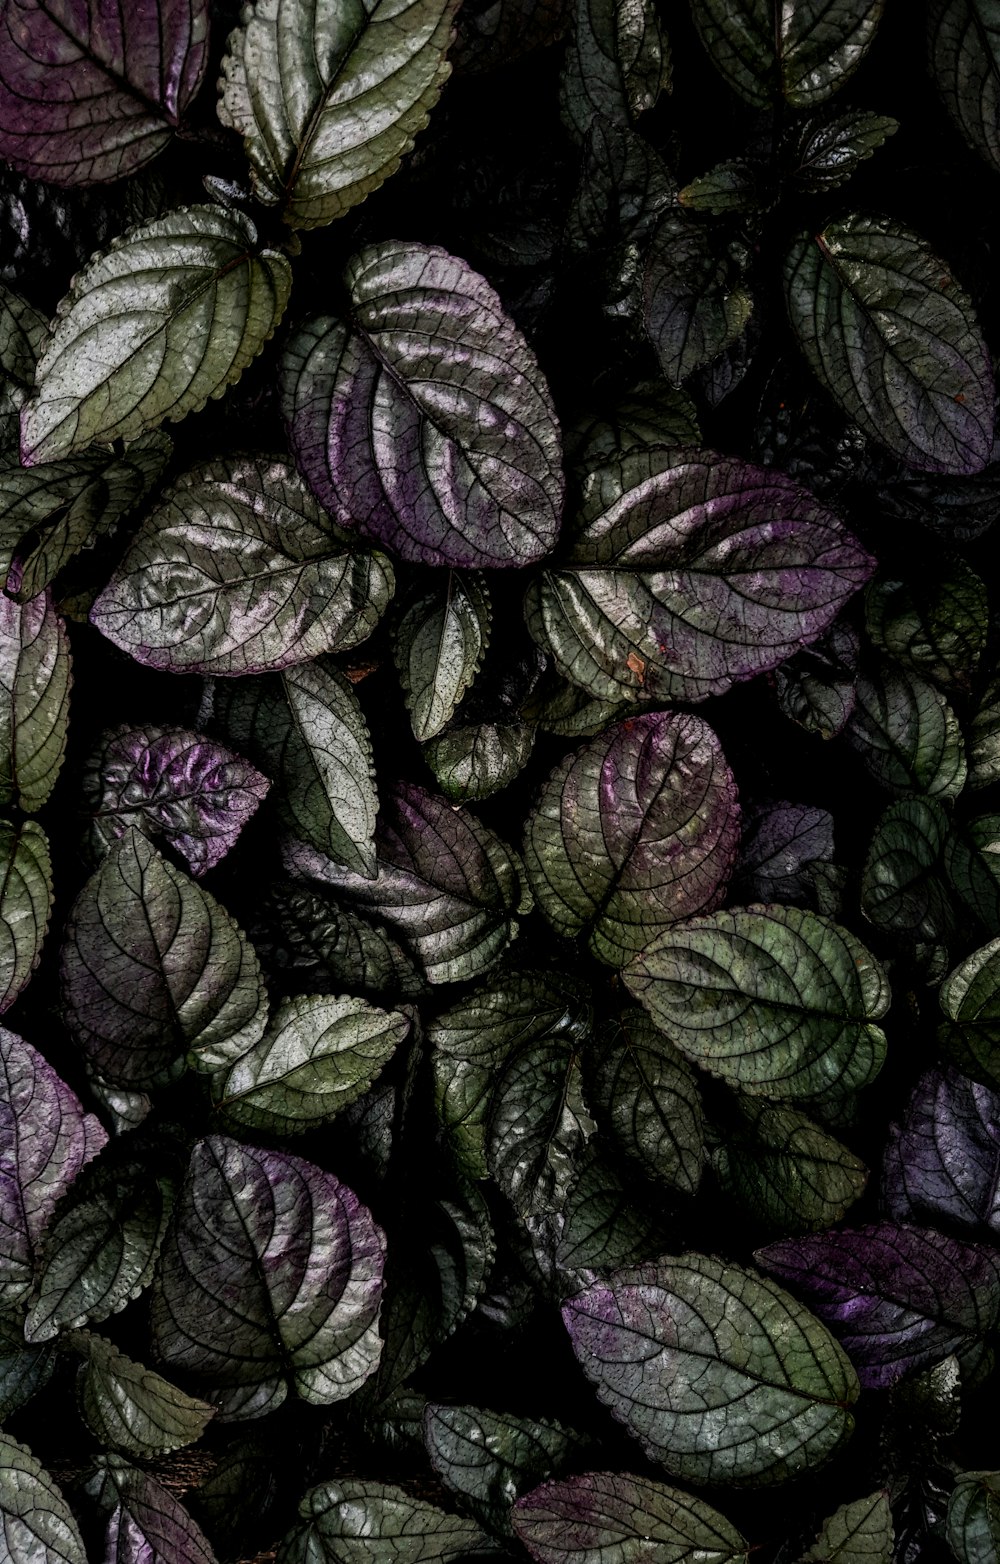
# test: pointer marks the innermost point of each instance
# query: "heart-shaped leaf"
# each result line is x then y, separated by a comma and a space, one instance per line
963, 40
35, 681
906, 734
424, 418
439, 647
119, 360
25, 904
615, 1518
632, 832
803, 53
354, 1522
36, 1522
131, 1409
646, 1093
942, 1164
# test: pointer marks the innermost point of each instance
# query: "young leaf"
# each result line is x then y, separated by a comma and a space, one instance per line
129, 1408
25, 904
473, 763
439, 646
330, 949
355, 1522
973, 1520
858, 1533
45, 1139
153, 969
897, 1297
328, 107
785, 1171
970, 1000
688, 572
803, 52
906, 734
317, 1056
937, 627
87, 97
171, 783
538, 1125
895, 340
963, 41
425, 419
486, 1458
728, 187
632, 832
35, 681
780, 842
36, 1523
617, 1518
718, 1373
647, 1094
830, 151
240, 571
148, 1525
942, 1164
776, 1000
691, 308
270, 1280
615, 64
119, 358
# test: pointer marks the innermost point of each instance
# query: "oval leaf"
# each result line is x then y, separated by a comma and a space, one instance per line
131, 1409
963, 39
972, 1524
353, 1522
907, 735
25, 904
804, 52
942, 1164
647, 1094
37, 1523
784, 1170
34, 700
615, 1518
439, 647
970, 999
538, 1125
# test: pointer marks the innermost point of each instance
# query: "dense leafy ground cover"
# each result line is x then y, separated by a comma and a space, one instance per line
500, 771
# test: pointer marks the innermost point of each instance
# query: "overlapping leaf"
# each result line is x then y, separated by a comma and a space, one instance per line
803, 52
311, 941
906, 734
487, 1458
440, 641
942, 1163
780, 843
937, 628
473, 763
25, 904
615, 65
830, 150
646, 1093
902, 886
35, 681
963, 39
22, 337
538, 1124
616, 1517
693, 306
148, 1525
355, 1522
973, 1519
37, 1523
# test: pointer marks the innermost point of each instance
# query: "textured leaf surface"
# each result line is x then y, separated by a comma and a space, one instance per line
804, 52
315, 944
445, 884
473, 763
618, 1519
857, 1533
717, 1372
153, 968
786, 1171
37, 1523
907, 735
830, 150
972, 864
538, 1125
970, 1000
119, 358
425, 418
693, 308
487, 1458
780, 842
22, 336
354, 1522
171, 783
616, 62
895, 340
776, 1000
964, 47
942, 1163
25, 904
149, 1525
973, 1520
239, 571
936, 627
632, 832
897, 1297
24, 1369
902, 889
45, 1139
328, 106
816, 688
34, 700
603, 1226
983, 738
646, 1093
131, 1409
271, 1278
440, 641
687, 573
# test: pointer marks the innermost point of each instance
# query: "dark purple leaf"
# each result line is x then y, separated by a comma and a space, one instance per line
90, 90
897, 1297
149, 1525
779, 843
943, 1161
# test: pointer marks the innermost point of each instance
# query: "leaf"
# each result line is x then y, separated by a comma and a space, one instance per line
240, 571
632, 832
728, 187
270, 1279
148, 1525
615, 1517
963, 43
45, 1139
973, 1520
473, 763
972, 864
355, 1522
311, 941
646, 1093
688, 572
970, 1000
718, 1373
24, 1370
439, 646
803, 53
37, 1523
100, 1251
906, 734
692, 307
857, 1533
329, 106
902, 890
447, 452
25, 904
829, 151
538, 1124
942, 1163
171, 783
487, 1458
936, 627
786, 1171
817, 687
153, 969
616, 62
624, 189
86, 98
118, 360
131, 1409
897, 1297
653, 413
894, 339
775, 1000
603, 1226
983, 738
318, 1055
445, 884
780, 842
22, 335
35, 678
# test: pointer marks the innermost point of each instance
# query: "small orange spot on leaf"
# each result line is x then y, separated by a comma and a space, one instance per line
960, 397
634, 662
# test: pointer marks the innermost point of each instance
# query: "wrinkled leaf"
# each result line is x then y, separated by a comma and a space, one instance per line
963, 38
830, 150
804, 52
538, 1125
25, 904
34, 700
315, 944
983, 738
902, 890
857, 1533
972, 864
906, 734
942, 1163
131, 1409
603, 1226
24, 1369
973, 1520
620, 1519
970, 1000
817, 687
693, 307
617, 60
646, 1093
22, 336
780, 842
36, 1523
439, 646
148, 1525
487, 1458
786, 1171
936, 627
355, 1522
475, 762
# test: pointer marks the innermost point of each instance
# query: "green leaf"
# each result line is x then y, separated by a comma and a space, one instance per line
615, 1518
487, 1458
315, 944
603, 1225
972, 864
318, 1055
857, 1533
35, 678
937, 626
728, 187
972, 1525
693, 306
329, 104
652, 413
617, 61
830, 150
963, 41
983, 738
154, 969
633, 831
354, 1522
776, 1000
24, 1369
895, 340
36, 1523
816, 688
970, 1000
119, 361
785, 1171
131, 1409
804, 52
25, 904
22, 336
907, 735
475, 762
439, 646
239, 570
718, 1372
538, 1125
647, 1094
902, 886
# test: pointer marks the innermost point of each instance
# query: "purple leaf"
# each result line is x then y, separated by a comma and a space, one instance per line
897, 1297
45, 1139
91, 90
150, 1526
944, 1159
779, 843
172, 783
615, 1518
